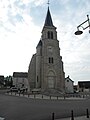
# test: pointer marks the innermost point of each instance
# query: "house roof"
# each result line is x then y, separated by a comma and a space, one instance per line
20, 74
83, 84
1, 77
68, 78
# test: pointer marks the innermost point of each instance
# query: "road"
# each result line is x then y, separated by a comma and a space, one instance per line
21, 108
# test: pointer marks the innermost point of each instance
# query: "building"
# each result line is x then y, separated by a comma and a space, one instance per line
1, 81
84, 86
46, 65
20, 80
75, 88
69, 87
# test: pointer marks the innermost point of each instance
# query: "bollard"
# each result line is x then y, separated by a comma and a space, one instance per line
53, 116
42, 96
28, 95
34, 96
87, 113
50, 96
57, 97
72, 117
64, 96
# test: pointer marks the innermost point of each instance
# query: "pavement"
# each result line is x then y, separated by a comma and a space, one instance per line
14, 103
47, 97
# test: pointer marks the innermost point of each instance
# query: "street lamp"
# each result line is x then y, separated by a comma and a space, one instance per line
79, 32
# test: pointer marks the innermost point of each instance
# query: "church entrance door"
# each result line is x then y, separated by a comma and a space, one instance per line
51, 79
51, 82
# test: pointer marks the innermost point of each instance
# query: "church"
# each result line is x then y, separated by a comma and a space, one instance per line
46, 66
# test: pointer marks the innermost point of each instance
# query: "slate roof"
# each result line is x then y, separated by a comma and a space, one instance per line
1, 77
68, 78
40, 43
20, 74
84, 84
48, 20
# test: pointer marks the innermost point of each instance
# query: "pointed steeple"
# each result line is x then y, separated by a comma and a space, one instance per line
48, 20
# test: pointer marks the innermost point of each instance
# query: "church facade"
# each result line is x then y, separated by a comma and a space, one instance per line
46, 66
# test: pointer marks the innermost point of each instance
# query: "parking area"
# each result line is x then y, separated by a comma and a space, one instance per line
24, 108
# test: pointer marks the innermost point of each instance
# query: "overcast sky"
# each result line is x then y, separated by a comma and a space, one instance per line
21, 23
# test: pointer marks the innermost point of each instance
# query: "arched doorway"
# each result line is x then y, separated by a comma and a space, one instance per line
51, 79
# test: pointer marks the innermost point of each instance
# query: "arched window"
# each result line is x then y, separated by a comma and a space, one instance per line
51, 35
51, 60
37, 78
48, 34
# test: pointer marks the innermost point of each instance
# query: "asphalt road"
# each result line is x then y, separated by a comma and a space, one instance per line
21, 108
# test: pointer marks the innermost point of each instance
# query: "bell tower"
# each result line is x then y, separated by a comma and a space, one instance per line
52, 65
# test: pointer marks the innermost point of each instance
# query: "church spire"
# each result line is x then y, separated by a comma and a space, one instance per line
48, 20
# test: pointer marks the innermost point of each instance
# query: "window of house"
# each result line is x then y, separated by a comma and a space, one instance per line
67, 80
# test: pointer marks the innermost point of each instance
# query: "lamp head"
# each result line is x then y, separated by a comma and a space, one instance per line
78, 32
89, 31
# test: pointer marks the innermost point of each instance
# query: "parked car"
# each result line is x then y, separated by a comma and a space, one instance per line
2, 118
13, 89
22, 90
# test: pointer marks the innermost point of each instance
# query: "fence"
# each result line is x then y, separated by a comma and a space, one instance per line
41, 96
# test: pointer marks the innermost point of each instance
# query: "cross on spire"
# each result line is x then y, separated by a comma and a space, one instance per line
48, 3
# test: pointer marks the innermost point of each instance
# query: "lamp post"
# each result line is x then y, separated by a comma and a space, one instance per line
79, 32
